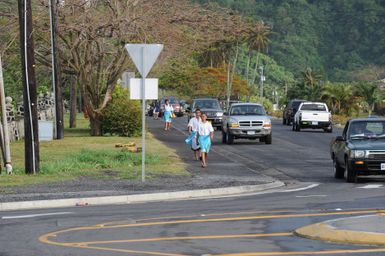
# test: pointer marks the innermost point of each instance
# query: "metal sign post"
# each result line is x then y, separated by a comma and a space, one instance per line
143, 118
144, 57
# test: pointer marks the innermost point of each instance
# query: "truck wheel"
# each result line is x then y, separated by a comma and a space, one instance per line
338, 170
296, 127
230, 139
268, 139
351, 175
224, 137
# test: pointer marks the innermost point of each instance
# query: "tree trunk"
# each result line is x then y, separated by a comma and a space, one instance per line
255, 70
73, 106
96, 124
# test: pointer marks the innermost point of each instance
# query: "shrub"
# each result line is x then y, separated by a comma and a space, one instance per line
122, 116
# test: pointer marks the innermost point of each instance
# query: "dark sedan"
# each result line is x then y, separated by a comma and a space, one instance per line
360, 150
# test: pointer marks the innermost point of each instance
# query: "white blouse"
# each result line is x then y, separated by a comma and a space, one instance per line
168, 108
194, 124
205, 128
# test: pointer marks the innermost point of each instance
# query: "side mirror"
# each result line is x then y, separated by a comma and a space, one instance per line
340, 138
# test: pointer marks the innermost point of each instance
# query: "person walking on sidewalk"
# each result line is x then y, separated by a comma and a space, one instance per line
156, 110
168, 112
192, 139
205, 136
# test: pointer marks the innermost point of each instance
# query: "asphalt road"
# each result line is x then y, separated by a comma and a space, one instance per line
257, 224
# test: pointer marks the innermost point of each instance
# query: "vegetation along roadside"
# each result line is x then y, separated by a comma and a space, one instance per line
80, 155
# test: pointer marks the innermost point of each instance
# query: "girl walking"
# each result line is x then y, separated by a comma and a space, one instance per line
168, 111
193, 126
205, 136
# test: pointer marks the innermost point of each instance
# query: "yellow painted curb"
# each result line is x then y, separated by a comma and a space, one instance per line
325, 232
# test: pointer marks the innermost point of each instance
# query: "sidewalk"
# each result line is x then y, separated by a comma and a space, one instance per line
367, 229
222, 177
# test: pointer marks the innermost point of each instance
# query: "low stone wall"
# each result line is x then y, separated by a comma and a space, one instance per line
15, 115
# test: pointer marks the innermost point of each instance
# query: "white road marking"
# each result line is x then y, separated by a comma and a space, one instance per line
372, 186
34, 215
300, 189
312, 196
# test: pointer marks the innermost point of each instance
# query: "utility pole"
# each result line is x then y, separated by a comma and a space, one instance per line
56, 74
31, 130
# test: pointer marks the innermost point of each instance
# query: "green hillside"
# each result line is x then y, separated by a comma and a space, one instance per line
335, 37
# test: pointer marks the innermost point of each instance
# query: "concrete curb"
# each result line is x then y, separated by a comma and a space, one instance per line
126, 199
324, 231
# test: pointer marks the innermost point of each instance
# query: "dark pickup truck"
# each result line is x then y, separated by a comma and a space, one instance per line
360, 151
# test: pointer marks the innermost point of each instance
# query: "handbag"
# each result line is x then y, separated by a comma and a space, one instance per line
173, 115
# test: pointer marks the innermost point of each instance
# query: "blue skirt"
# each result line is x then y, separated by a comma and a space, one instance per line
205, 143
167, 116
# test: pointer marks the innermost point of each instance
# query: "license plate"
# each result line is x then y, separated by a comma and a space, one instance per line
250, 132
382, 166
314, 123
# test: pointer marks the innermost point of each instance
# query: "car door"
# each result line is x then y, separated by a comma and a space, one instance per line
340, 146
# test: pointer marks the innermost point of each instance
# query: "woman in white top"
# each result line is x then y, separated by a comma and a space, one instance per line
168, 110
192, 139
205, 136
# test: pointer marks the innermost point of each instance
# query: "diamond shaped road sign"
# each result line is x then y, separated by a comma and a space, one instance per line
147, 53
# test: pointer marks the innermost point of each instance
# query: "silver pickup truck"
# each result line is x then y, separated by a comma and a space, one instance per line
247, 121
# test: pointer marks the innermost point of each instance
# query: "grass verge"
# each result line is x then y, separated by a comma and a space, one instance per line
80, 155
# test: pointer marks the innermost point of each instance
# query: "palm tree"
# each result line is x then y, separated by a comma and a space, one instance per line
370, 94
311, 84
338, 96
257, 41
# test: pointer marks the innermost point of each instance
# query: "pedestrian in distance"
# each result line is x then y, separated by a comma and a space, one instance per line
156, 110
205, 137
168, 113
192, 139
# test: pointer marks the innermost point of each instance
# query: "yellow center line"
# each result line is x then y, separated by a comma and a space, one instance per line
221, 220
304, 252
46, 238
159, 239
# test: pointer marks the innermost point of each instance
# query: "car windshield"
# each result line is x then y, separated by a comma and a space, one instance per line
367, 130
210, 104
313, 107
247, 110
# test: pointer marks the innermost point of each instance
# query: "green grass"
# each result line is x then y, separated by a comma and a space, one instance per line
80, 155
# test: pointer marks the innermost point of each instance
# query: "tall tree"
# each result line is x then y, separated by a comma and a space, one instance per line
257, 41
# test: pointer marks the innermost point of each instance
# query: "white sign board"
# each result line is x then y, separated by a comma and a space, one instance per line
144, 56
151, 89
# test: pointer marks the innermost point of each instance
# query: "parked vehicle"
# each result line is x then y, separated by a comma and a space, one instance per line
313, 115
178, 109
290, 110
211, 107
360, 150
247, 121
